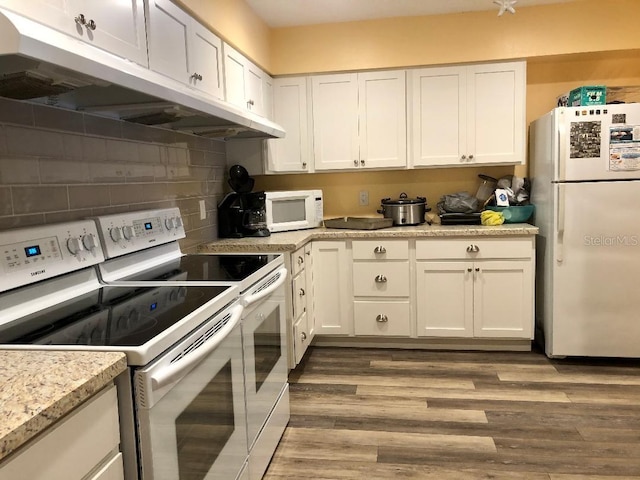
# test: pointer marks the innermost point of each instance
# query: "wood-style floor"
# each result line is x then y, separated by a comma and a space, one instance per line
377, 414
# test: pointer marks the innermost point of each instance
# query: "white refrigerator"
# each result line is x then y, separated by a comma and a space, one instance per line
585, 170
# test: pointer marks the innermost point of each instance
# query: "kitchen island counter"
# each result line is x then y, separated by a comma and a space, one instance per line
39, 388
289, 241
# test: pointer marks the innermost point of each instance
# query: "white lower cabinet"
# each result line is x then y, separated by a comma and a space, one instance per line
475, 288
379, 318
301, 268
83, 445
332, 309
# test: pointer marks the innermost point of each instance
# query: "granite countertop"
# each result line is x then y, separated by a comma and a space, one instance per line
289, 241
39, 388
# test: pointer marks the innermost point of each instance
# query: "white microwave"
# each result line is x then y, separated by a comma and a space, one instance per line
293, 210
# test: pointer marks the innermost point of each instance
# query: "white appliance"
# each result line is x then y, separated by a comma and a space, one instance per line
293, 210
585, 169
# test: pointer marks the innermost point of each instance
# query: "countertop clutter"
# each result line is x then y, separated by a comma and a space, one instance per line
41, 387
288, 241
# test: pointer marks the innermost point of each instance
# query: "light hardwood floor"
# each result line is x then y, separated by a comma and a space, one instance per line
377, 414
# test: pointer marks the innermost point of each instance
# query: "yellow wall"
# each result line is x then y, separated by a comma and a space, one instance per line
584, 42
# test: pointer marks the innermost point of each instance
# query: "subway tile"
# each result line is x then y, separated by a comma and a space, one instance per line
202, 173
16, 112
126, 194
189, 206
109, 210
178, 172
215, 159
103, 127
57, 118
64, 171
122, 151
177, 156
196, 157
220, 174
94, 149
68, 216
149, 153
160, 173
145, 133
151, 205
21, 221
39, 199
186, 189
3, 142
154, 192
106, 172
31, 141
6, 206
89, 196
216, 188
139, 173
218, 146
16, 171
72, 146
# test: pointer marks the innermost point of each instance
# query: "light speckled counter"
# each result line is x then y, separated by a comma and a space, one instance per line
39, 388
289, 241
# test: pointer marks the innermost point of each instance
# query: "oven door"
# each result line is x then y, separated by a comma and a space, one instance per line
191, 405
265, 350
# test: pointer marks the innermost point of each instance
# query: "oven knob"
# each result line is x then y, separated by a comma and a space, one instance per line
74, 245
90, 242
128, 232
170, 223
116, 234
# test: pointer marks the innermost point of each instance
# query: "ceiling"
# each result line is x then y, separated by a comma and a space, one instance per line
288, 13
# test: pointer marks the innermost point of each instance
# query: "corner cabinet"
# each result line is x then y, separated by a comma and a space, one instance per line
359, 120
480, 288
246, 85
468, 115
183, 49
117, 26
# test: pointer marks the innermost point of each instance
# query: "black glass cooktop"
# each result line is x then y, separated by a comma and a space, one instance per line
212, 268
111, 316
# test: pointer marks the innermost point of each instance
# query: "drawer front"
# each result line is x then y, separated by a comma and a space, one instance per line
301, 337
298, 259
381, 279
473, 248
382, 318
380, 249
299, 295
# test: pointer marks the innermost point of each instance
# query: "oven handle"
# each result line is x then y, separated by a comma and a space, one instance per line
177, 370
250, 299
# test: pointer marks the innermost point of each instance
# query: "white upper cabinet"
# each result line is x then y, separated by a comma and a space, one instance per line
468, 115
359, 120
246, 85
113, 25
183, 49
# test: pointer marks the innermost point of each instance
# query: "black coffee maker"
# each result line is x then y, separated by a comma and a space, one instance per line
242, 213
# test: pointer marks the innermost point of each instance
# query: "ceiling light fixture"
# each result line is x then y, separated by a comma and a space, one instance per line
505, 6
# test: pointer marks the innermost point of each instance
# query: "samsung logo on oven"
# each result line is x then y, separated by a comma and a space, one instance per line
37, 272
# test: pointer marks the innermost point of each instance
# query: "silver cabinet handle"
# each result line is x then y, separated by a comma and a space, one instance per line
301, 292
476, 248
196, 76
304, 164
470, 157
469, 269
300, 260
470, 248
91, 25
355, 163
303, 336
382, 318
463, 158
379, 249
80, 20
477, 269
362, 162
381, 279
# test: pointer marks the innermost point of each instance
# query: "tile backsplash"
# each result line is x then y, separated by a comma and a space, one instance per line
58, 165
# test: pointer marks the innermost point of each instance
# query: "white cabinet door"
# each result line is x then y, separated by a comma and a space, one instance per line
291, 153
335, 121
205, 60
183, 49
503, 299
438, 115
445, 299
117, 26
496, 113
468, 115
253, 89
244, 82
382, 119
332, 306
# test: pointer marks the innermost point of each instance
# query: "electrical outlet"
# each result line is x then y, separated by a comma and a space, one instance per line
364, 198
203, 212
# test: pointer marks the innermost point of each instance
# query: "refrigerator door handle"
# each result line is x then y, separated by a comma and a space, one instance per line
560, 223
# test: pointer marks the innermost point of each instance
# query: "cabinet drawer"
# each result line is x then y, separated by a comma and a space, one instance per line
298, 259
473, 248
299, 295
301, 337
381, 279
382, 318
380, 250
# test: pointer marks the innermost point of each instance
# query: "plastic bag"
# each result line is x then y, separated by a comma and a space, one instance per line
461, 202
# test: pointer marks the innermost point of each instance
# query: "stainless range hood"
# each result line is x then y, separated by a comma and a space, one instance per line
42, 65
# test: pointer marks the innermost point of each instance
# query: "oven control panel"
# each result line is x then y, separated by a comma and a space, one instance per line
28, 255
124, 233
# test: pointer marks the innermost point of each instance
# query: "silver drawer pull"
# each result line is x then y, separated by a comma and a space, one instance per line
300, 260
382, 318
303, 336
476, 248
381, 279
473, 248
379, 249
301, 292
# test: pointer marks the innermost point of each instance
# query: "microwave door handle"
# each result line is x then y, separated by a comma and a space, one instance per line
177, 370
251, 299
